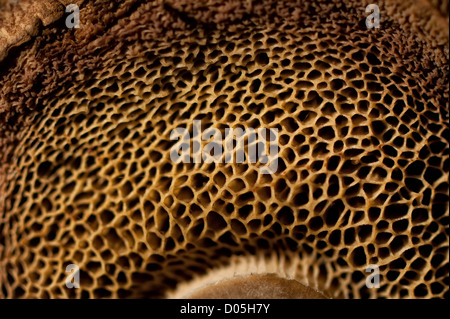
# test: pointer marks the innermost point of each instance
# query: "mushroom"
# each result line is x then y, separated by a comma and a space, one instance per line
87, 177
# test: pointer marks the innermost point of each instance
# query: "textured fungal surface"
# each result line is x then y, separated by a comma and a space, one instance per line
363, 167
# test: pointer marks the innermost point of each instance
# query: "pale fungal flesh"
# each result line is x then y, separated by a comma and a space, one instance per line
87, 178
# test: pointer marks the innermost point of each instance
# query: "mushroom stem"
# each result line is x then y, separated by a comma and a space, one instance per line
259, 286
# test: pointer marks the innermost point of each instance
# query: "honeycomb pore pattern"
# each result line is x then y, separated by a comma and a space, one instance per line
362, 172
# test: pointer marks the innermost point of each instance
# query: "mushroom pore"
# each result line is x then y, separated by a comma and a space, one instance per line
86, 174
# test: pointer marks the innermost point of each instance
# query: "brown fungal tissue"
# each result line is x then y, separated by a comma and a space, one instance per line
86, 174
